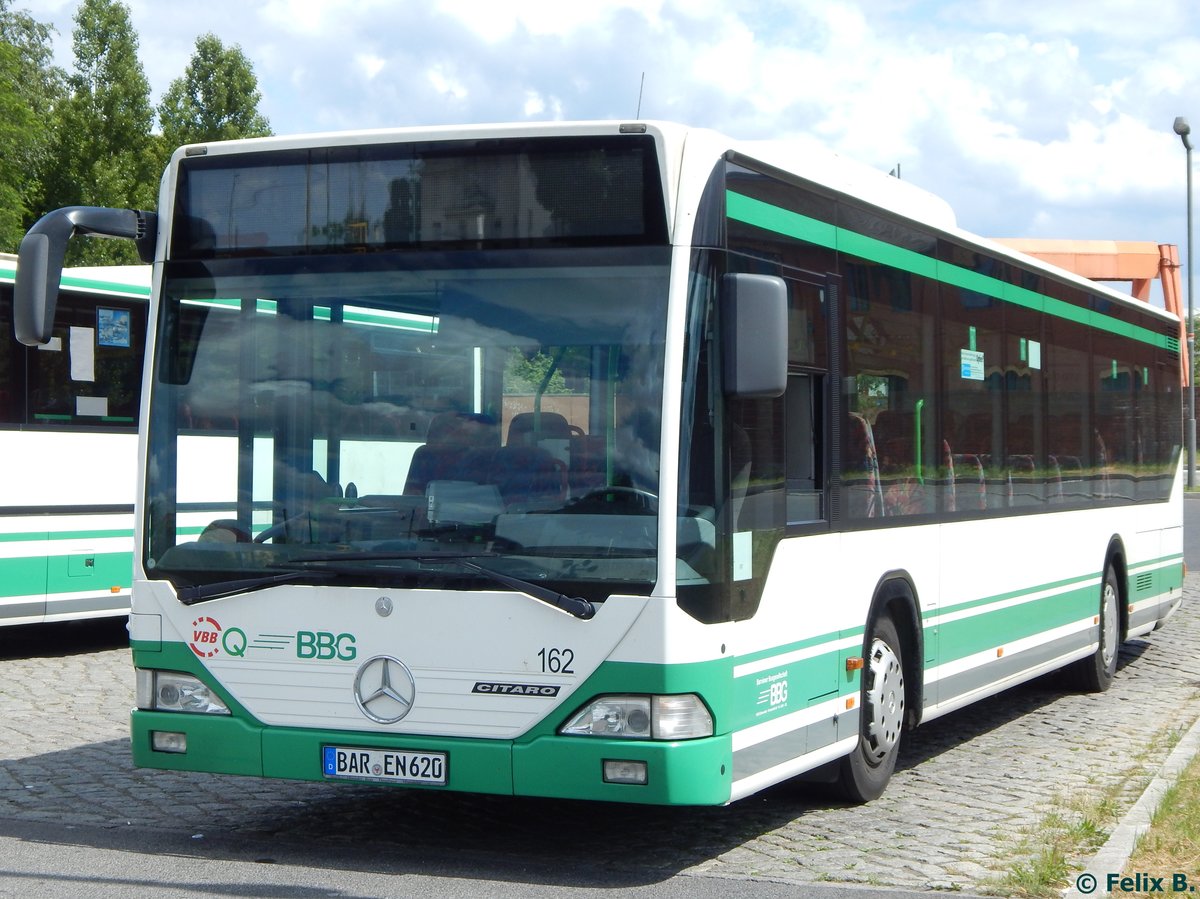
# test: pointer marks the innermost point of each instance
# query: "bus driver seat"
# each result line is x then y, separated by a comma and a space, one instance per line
458, 447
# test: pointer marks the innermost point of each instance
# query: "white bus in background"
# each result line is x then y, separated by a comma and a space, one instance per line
619, 461
68, 438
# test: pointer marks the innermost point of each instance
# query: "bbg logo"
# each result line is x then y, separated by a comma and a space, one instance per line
324, 645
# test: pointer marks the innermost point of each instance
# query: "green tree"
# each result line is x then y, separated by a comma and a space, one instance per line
30, 87
105, 153
216, 99
16, 121
528, 372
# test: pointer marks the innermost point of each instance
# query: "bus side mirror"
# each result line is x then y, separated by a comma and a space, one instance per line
40, 260
754, 324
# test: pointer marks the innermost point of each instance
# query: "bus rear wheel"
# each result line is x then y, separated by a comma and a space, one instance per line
865, 772
1095, 673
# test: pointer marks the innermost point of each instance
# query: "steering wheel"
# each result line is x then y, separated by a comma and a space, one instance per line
225, 530
614, 499
279, 530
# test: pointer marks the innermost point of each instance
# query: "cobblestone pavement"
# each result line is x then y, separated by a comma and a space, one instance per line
970, 799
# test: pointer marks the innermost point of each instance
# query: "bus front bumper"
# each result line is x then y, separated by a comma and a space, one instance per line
689, 772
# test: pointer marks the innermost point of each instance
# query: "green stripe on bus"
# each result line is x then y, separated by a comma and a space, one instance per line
51, 575
110, 568
997, 627
133, 291
785, 648
1165, 561
22, 577
1057, 587
65, 535
801, 227
763, 696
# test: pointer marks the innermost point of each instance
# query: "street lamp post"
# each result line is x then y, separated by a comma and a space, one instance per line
1183, 130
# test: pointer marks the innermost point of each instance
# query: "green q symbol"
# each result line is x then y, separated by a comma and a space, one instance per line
234, 641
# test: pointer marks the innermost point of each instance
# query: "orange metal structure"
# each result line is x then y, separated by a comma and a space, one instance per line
1138, 262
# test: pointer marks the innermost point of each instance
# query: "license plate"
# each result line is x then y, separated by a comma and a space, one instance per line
400, 766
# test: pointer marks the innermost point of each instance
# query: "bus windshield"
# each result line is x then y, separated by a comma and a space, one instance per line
383, 419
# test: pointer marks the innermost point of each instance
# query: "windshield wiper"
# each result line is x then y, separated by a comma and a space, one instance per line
568, 551
574, 605
191, 595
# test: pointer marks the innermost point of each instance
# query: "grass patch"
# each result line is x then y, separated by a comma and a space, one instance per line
1048, 854
1040, 875
1172, 844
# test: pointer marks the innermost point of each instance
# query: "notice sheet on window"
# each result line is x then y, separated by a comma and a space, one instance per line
83, 354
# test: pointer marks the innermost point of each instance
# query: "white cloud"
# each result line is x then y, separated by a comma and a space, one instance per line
1123, 20
319, 18
1117, 159
369, 65
1023, 113
1170, 70
496, 22
541, 108
534, 104
446, 84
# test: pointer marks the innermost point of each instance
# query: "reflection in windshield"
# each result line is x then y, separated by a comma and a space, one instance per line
493, 408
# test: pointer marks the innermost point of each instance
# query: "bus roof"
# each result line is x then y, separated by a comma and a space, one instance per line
687, 158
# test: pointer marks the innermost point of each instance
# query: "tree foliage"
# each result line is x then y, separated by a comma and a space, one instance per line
87, 137
16, 123
104, 152
216, 99
30, 86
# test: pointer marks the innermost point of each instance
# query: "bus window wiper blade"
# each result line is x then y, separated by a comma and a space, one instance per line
191, 595
567, 551
574, 605
372, 555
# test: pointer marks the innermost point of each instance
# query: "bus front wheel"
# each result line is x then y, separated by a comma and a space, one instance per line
865, 772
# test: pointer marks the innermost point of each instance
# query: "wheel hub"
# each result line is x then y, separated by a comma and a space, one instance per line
1108, 625
884, 701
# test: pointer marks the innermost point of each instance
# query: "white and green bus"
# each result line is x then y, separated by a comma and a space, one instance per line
68, 438
617, 461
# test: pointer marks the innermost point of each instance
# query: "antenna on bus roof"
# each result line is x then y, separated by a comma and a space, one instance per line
640, 88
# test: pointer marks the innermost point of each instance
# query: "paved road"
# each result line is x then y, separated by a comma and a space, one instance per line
77, 819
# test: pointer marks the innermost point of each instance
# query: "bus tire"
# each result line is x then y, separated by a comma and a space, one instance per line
865, 772
1095, 673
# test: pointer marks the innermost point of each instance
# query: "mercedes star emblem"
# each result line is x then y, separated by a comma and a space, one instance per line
384, 689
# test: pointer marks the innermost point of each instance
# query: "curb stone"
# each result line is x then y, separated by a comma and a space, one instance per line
1112, 857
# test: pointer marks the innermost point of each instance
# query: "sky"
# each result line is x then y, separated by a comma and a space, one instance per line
1032, 118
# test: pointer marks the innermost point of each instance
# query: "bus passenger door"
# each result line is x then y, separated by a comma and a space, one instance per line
806, 411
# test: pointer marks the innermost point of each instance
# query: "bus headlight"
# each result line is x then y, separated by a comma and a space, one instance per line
174, 691
681, 717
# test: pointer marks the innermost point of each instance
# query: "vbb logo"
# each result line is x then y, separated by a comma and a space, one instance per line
206, 637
